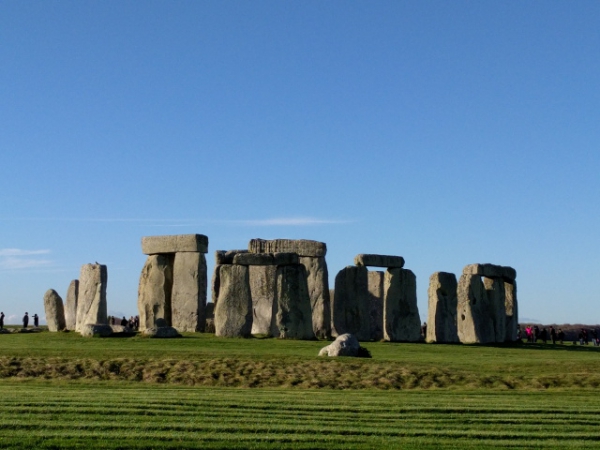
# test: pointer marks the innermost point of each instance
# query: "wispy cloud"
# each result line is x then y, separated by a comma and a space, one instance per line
16, 258
19, 252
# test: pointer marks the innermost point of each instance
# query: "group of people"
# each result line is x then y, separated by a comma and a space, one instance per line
36, 320
133, 322
533, 334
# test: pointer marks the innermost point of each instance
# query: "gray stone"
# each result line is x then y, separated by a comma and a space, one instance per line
96, 330
154, 294
233, 311
161, 332
387, 261
344, 345
294, 318
441, 319
263, 289
302, 247
160, 323
474, 321
188, 295
491, 271
55, 313
512, 311
226, 256
375, 287
71, 305
317, 279
215, 284
122, 330
351, 307
91, 301
496, 304
401, 321
153, 245
265, 259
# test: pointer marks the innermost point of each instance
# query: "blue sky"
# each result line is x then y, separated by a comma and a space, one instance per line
445, 132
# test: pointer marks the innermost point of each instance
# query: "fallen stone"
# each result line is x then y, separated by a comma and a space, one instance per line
491, 271
71, 305
96, 330
474, 322
375, 287
5, 331
55, 313
226, 256
123, 330
161, 332
344, 345
302, 247
317, 279
441, 319
160, 323
496, 297
387, 261
233, 311
188, 295
91, 300
265, 259
512, 311
294, 318
401, 321
154, 293
153, 245
263, 289
351, 307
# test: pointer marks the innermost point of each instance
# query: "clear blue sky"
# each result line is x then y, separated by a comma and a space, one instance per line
445, 132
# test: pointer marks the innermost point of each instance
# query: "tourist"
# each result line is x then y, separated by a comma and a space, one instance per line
124, 321
519, 333
595, 337
553, 335
424, 330
581, 337
561, 335
1, 320
536, 333
585, 336
25, 320
544, 335
528, 333
36, 320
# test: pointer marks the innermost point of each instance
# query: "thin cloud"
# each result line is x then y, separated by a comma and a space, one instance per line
19, 252
17, 259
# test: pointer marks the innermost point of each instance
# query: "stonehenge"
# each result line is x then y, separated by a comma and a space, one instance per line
442, 307
173, 282
71, 305
91, 298
55, 314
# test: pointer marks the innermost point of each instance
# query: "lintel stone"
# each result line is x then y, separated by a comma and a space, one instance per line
303, 247
379, 261
153, 245
491, 271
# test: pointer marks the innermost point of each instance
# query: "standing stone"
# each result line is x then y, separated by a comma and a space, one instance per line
317, 278
512, 311
91, 301
496, 303
293, 318
375, 287
55, 313
226, 256
215, 284
154, 294
188, 295
350, 309
71, 305
233, 311
263, 289
401, 321
441, 319
474, 322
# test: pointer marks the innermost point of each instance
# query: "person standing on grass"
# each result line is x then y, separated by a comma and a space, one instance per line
595, 337
36, 320
544, 335
553, 335
1, 320
561, 335
25, 320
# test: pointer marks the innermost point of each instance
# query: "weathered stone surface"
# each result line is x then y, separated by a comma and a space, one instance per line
350, 308
71, 305
294, 318
91, 301
215, 283
263, 289
233, 311
153, 245
317, 279
491, 271
512, 311
160, 323
226, 256
387, 261
265, 259
188, 295
344, 345
154, 294
496, 297
122, 330
302, 247
55, 313
96, 329
441, 319
375, 287
474, 321
161, 332
401, 321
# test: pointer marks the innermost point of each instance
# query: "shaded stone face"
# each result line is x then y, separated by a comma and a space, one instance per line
441, 319
491, 271
303, 247
496, 301
226, 256
154, 294
55, 314
233, 311
153, 245
91, 302
351, 306
263, 289
474, 321
188, 295
294, 318
512, 311
386, 261
317, 278
265, 259
375, 287
401, 321
71, 305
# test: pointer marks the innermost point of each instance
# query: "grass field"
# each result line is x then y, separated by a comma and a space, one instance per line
59, 390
